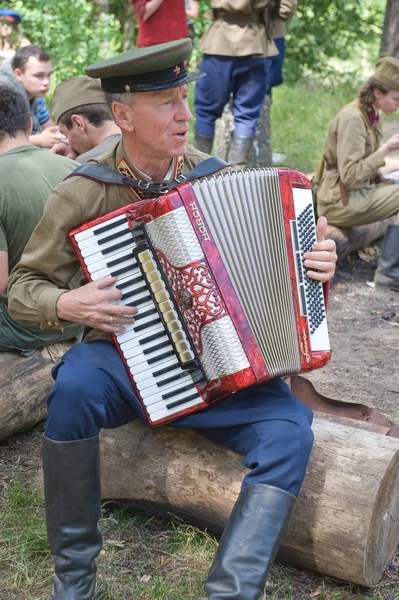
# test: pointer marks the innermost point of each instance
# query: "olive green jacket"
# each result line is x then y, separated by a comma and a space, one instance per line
350, 154
243, 33
49, 261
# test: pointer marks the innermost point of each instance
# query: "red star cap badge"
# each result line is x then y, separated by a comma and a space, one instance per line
176, 71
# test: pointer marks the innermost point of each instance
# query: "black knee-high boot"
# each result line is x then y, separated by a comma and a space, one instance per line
387, 274
249, 544
73, 503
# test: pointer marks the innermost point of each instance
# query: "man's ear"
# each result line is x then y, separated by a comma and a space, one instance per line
18, 74
123, 116
79, 123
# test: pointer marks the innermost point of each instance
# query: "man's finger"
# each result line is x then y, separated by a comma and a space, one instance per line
105, 282
321, 229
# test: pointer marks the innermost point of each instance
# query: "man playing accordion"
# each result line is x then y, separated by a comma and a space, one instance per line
147, 90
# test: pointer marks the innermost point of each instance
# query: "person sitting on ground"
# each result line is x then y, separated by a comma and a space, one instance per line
148, 94
27, 178
80, 110
351, 190
10, 37
30, 71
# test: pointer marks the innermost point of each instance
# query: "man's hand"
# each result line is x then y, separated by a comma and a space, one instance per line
323, 257
64, 149
92, 306
47, 138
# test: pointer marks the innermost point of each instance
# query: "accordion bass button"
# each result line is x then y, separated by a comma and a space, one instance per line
178, 336
169, 316
157, 286
161, 296
152, 276
173, 326
144, 256
148, 265
182, 347
186, 357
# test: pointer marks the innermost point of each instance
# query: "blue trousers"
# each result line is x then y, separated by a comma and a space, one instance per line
243, 77
265, 423
274, 66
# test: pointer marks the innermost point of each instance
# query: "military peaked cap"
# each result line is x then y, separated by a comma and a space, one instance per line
145, 69
10, 15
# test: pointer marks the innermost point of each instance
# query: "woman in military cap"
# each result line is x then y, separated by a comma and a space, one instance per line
351, 189
10, 37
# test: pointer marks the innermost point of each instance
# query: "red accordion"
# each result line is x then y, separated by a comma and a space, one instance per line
215, 269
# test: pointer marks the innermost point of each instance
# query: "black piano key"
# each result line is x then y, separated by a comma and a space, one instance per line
113, 236
182, 400
138, 302
131, 267
171, 379
135, 292
179, 390
153, 336
156, 359
146, 313
117, 261
159, 346
109, 226
165, 370
126, 284
114, 247
147, 325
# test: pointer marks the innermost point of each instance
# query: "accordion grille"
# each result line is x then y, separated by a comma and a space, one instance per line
243, 211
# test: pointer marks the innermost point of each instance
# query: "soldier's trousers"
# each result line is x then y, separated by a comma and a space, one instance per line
365, 206
243, 77
265, 423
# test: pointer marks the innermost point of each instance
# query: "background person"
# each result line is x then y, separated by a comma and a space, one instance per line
160, 21
10, 37
30, 71
79, 108
92, 388
350, 189
284, 11
27, 178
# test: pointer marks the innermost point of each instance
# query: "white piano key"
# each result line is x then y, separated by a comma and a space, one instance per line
93, 250
140, 348
142, 335
136, 361
131, 299
184, 380
83, 235
123, 257
94, 258
115, 233
151, 401
164, 412
147, 374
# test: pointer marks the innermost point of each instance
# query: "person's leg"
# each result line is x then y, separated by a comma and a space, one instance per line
249, 92
212, 93
276, 65
272, 429
387, 273
92, 390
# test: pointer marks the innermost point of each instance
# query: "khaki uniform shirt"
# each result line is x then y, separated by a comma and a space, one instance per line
239, 30
286, 12
49, 261
351, 146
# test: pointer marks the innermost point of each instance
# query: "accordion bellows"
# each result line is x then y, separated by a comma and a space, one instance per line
216, 271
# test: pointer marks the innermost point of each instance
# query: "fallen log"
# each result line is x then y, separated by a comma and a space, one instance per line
25, 383
346, 522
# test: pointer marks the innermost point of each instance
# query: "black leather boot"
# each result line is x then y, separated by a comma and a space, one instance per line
249, 544
203, 143
387, 274
73, 503
239, 151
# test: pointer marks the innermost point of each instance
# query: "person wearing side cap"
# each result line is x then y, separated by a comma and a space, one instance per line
235, 47
351, 190
80, 110
147, 91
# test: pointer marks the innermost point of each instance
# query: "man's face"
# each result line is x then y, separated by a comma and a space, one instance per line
35, 78
77, 136
160, 122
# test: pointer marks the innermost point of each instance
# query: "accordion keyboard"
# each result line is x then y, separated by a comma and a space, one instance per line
164, 385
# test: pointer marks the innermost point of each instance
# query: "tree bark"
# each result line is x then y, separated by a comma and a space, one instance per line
346, 522
25, 383
390, 33
261, 153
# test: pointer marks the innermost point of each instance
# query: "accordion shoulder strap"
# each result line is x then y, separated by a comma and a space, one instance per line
109, 176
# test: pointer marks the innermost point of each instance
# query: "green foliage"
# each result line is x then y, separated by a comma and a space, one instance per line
323, 33
74, 34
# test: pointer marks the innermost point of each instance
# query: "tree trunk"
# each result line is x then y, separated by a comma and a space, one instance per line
346, 522
25, 383
261, 153
390, 33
